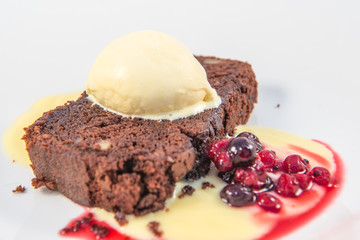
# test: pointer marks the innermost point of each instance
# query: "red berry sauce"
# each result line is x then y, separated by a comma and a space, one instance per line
87, 227
287, 225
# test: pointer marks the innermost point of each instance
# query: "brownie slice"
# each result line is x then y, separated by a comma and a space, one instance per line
130, 165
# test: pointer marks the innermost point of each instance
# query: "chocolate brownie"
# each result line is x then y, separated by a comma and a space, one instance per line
130, 165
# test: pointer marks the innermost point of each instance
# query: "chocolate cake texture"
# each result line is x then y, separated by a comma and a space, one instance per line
130, 165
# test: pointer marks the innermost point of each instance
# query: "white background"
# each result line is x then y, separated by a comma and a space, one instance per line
305, 55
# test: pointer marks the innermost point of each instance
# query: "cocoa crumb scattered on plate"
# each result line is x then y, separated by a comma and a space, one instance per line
206, 185
186, 190
154, 227
19, 189
278, 105
120, 217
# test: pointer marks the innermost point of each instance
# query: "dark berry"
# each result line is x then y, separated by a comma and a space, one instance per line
268, 202
223, 162
288, 186
242, 152
217, 147
227, 176
294, 164
267, 157
253, 139
237, 195
320, 175
304, 181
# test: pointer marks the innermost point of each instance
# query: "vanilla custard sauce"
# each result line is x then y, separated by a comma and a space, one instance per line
13, 146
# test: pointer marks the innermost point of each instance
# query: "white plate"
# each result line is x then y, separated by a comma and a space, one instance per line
305, 55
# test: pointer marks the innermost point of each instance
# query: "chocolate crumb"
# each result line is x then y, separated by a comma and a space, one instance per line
37, 183
154, 228
186, 190
40, 182
51, 186
100, 231
19, 189
278, 105
120, 217
167, 209
206, 185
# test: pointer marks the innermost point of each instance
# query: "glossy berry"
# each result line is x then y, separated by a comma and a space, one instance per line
223, 162
217, 147
287, 186
267, 157
269, 203
253, 139
250, 177
304, 181
294, 164
237, 195
320, 175
242, 152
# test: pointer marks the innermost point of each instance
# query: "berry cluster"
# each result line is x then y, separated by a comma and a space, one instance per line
246, 166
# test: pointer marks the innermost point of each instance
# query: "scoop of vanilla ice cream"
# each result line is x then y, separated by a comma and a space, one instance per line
151, 75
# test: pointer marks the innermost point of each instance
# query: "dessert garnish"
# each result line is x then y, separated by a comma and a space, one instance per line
206, 185
256, 174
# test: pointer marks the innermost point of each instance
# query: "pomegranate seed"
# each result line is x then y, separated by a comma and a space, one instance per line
217, 147
223, 162
242, 152
294, 164
304, 181
237, 195
287, 186
269, 203
254, 139
320, 175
